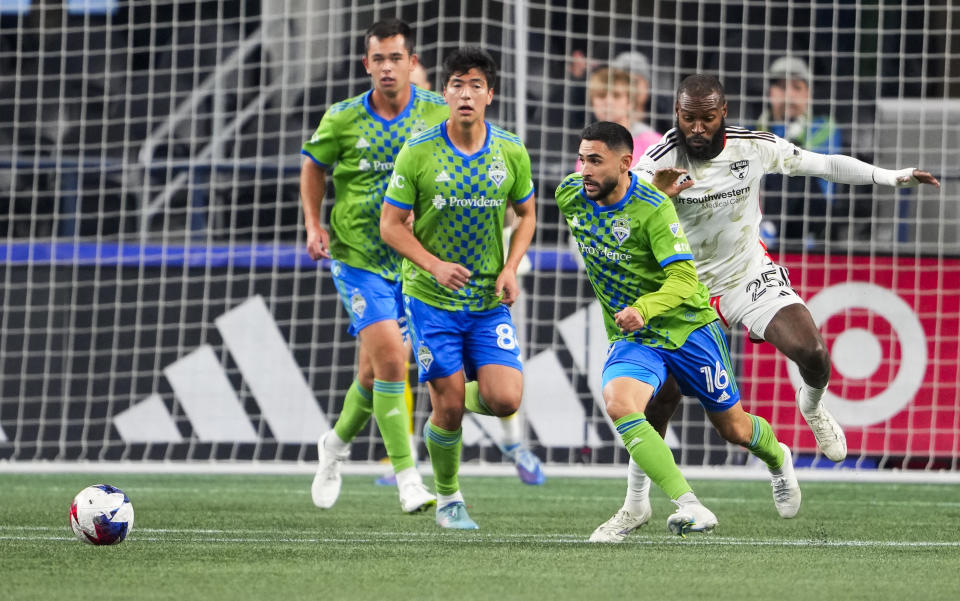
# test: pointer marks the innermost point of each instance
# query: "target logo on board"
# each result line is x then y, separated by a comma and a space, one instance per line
878, 348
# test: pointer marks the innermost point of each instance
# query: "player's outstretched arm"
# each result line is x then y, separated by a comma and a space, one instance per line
848, 170
523, 228
397, 234
313, 184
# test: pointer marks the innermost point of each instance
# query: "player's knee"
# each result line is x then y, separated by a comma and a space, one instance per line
502, 404
815, 358
447, 417
390, 369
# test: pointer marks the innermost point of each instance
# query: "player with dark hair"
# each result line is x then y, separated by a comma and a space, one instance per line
457, 178
658, 319
721, 214
362, 135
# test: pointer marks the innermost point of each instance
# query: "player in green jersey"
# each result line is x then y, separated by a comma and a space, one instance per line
457, 179
658, 319
362, 135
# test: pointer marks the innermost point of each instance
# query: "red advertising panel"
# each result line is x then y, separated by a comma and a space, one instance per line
891, 325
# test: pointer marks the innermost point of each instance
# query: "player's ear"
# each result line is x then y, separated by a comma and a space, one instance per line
723, 111
489, 96
414, 61
625, 161
366, 65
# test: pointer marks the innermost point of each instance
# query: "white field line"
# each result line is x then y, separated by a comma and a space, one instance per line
754, 472
242, 536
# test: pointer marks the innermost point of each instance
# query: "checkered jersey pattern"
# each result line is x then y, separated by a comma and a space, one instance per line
458, 203
363, 147
624, 248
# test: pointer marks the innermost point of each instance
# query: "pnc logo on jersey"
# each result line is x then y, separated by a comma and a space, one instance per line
621, 229
439, 202
362, 144
739, 169
443, 177
497, 172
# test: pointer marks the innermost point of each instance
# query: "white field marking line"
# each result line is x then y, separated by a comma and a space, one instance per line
700, 541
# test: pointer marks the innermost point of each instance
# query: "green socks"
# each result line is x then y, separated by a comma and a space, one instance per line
390, 407
763, 444
357, 407
472, 400
651, 454
444, 448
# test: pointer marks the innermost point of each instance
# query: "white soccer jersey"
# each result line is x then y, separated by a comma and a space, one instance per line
721, 212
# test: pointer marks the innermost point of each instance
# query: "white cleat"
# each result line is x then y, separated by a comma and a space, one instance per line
616, 529
786, 490
691, 517
829, 434
326, 483
414, 497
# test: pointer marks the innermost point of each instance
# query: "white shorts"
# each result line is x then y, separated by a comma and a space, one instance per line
756, 299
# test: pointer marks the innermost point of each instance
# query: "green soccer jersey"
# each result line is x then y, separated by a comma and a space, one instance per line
458, 202
624, 248
363, 146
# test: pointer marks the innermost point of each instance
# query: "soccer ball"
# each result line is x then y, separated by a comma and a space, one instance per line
101, 515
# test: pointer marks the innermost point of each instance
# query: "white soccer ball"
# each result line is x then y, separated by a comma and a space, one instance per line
101, 515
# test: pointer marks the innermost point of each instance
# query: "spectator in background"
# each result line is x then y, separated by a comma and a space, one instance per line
637, 65
611, 95
418, 77
789, 114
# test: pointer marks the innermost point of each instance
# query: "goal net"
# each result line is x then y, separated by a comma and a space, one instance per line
158, 303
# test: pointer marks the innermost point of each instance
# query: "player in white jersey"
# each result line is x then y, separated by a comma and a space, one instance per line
721, 215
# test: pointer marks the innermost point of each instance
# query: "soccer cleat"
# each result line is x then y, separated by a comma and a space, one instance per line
454, 516
326, 483
786, 490
528, 465
616, 529
414, 497
829, 435
691, 517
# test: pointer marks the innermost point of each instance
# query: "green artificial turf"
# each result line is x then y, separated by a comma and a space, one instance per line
260, 537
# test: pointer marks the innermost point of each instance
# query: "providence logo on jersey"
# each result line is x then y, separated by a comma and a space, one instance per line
366, 165
440, 202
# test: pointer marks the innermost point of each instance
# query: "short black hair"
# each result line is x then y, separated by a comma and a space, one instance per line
614, 135
700, 85
387, 29
470, 57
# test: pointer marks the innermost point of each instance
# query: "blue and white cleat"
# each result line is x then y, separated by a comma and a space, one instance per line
454, 516
528, 465
691, 517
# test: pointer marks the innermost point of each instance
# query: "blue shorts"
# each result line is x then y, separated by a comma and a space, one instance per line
444, 342
367, 297
702, 367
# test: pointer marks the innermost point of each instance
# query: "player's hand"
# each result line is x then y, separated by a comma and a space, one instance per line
451, 275
672, 181
922, 177
507, 284
629, 320
318, 243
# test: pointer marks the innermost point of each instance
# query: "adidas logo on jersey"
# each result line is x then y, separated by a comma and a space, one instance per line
443, 177
362, 144
723, 397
